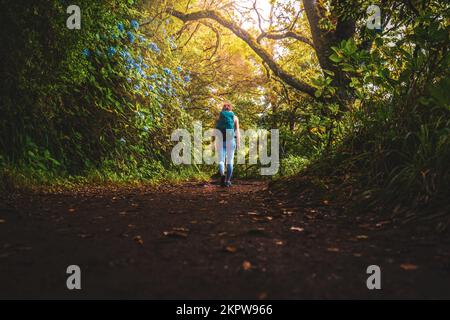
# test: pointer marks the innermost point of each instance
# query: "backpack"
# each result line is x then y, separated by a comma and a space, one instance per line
225, 122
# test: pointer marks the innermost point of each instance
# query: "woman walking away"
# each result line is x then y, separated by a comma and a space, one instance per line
228, 124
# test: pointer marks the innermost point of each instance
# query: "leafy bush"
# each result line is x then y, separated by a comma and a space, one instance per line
293, 165
105, 97
395, 142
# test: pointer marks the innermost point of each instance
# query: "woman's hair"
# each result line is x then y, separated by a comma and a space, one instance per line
227, 107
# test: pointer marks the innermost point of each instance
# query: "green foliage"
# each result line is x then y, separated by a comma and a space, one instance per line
293, 165
395, 141
103, 97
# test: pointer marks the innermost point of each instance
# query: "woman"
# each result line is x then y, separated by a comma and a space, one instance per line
228, 124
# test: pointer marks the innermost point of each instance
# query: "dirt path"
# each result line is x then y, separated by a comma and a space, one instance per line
199, 241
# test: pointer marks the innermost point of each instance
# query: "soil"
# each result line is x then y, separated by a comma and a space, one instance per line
200, 241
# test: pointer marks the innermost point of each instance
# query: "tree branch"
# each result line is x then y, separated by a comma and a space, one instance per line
289, 34
251, 42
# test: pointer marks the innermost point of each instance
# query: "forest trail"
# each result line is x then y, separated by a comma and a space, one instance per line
198, 241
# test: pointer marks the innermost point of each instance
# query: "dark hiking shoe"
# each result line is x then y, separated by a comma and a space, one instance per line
222, 181
228, 184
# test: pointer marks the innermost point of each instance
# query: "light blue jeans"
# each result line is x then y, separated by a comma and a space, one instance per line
226, 155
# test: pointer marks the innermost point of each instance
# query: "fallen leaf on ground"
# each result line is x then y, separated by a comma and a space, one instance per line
362, 237
262, 219
297, 229
175, 234
246, 265
252, 213
72, 210
333, 249
409, 266
139, 240
2, 220
231, 249
279, 242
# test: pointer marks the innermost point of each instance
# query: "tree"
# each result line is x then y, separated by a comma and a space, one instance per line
251, 42
322, 40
